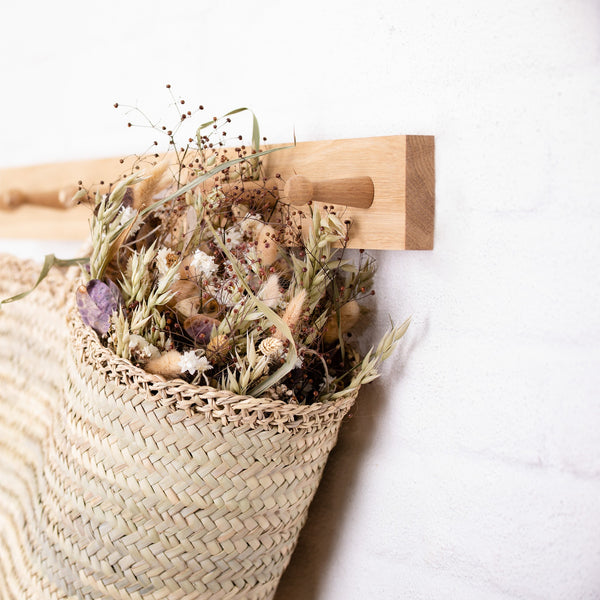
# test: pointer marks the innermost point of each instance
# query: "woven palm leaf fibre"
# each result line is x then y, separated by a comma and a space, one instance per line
122, 485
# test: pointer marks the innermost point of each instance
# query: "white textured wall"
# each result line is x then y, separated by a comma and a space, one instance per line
472, 469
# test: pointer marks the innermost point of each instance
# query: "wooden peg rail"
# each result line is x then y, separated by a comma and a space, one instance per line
384, 185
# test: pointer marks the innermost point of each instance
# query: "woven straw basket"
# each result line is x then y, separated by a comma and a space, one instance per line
117, 484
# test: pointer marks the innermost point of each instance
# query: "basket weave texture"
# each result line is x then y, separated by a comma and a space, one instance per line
133, 487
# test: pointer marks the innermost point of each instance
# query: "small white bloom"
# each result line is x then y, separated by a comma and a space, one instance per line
127, 213
299, 362
232, 237
192, 363
164, 258
142, 348
203, 263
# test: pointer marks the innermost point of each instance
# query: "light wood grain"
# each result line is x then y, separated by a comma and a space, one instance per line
351, 191
420, 192
42, 223
401, 169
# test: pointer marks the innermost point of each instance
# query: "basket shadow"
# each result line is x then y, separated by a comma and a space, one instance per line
328, 514
320, 536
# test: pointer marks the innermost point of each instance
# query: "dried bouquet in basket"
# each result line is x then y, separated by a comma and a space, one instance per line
199, 270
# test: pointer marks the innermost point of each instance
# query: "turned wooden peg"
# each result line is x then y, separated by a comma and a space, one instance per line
357, 192
62, 198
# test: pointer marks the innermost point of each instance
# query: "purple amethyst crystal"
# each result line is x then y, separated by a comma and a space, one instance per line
96, 302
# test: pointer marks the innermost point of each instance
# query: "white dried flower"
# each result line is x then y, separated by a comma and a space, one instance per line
227, 294
165, 259
271, 347
141, 348
233, 237
203, 263
192, 363
127, 213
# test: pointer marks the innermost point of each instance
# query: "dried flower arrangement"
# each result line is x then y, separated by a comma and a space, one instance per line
200, 271
237, 307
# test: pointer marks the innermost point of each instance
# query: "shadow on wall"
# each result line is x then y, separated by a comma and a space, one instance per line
328, 511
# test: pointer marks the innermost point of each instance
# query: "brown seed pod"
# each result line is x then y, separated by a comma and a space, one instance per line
267, 247
188, 307
239, 211
194, 305
211, 308
200, 327
183, 288
349, 315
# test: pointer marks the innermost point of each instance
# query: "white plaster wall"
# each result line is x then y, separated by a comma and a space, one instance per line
471, 470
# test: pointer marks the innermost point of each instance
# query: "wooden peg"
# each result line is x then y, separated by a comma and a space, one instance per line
357, 192
62, 198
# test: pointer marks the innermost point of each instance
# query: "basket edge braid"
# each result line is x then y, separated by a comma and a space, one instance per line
205, 401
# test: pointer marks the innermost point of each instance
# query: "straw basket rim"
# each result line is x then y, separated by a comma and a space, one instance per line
202, 402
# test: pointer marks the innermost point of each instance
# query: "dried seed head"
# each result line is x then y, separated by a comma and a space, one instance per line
211, 307
145, 191
293, 312
166, 365
271, 347
270, 292
218, 348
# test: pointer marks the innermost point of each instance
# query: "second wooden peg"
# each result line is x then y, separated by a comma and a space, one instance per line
357, 192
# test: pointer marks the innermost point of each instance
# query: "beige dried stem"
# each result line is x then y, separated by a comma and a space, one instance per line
146, 190
143, 194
